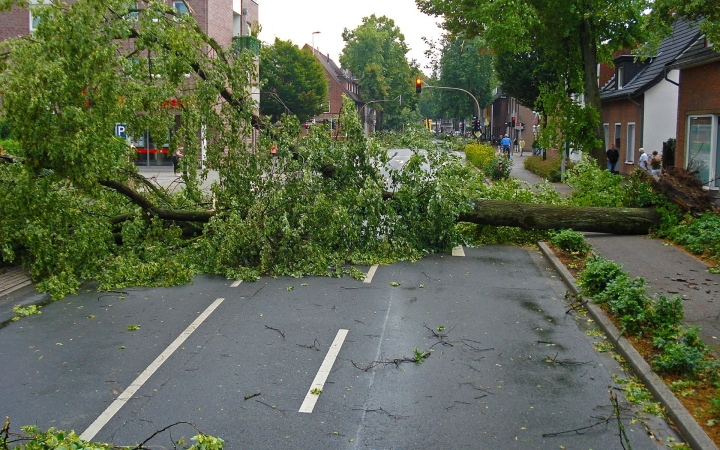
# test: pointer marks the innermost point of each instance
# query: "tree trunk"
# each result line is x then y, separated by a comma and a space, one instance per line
588, 46
546, 217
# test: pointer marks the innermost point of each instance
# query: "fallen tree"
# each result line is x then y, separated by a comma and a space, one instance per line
74, 207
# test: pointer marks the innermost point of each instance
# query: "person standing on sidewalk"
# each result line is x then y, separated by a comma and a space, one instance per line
176, 159
644, 161
655, 164
521, 144
613, 155
506, 143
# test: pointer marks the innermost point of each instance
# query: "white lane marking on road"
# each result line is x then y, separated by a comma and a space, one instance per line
458, 251
370, 274
310, 399
128, 393
236, 283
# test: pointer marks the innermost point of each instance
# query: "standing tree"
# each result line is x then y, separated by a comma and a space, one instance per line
465, 64
375, 52
574, 35
294, 81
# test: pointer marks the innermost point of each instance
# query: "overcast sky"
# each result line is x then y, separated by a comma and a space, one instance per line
297, 20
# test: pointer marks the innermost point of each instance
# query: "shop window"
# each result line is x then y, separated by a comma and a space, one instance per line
701, 151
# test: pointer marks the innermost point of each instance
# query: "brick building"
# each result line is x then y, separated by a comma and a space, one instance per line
639, 100
504, 109
698, 115
342, 82
222, 20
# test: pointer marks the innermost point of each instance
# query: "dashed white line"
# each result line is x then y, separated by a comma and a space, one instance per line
128, 393
370, 274
458, 251
236, 283
317, 385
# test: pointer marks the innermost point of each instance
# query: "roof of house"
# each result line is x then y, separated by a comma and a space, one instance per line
694, 55
342, 76
684, 33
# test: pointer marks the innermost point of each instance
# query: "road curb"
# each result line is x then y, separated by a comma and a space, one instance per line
686, 424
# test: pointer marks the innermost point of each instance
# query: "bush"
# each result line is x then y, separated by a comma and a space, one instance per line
626, 300
9, 147
684, 353
498, 168
570, 241
666, 312
479, 154
549, 168
597, 274
700, 235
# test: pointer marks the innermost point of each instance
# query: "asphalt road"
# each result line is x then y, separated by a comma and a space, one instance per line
505, 364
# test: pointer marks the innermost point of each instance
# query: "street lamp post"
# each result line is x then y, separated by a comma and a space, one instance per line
313, 40
477, 105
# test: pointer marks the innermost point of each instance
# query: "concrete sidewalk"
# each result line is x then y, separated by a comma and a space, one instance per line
667, 269
163, 176
519, 172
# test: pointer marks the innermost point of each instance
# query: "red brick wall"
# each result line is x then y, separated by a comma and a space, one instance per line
699, 94
624, 112
219, 20
253, 10
14, 23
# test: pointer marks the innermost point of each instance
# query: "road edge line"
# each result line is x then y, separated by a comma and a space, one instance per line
128, 393
690, 430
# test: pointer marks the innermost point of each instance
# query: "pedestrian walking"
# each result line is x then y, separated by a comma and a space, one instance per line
506, 143
655, 163
644, 161
613, 155
515, 145
179, 153
521, 144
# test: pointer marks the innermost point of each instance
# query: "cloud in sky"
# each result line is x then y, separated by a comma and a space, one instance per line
296, 21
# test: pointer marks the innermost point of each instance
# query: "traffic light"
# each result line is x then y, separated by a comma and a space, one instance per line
418, 85
513, 121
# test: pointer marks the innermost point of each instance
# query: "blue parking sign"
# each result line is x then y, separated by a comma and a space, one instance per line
120, 130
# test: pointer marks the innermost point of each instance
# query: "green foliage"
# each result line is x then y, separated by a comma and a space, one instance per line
9, 146
683, 353
54, 439
570, 241
24, 311
375, 53
625, 298
464, 64
667, 312
549, 169
498, 168
593, 186
480, 155
573, 122
294, 82
700, 235
598, 273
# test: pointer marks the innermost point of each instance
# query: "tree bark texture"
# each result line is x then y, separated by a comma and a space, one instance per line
588, 45
546, 217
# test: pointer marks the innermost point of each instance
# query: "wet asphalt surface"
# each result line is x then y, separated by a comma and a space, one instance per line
506, 363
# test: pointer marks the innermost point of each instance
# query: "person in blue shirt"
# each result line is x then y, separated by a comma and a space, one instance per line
506, 143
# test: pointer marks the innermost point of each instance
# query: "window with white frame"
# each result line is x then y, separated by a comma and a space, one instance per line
620, 77
181, 7
701, 149
606, 135
34, 19
630, 147
618, 136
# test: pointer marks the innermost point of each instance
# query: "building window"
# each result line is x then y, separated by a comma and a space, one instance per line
617, 136
630, 153
181, 7
34, 19
606, 135
620, 77
701, 152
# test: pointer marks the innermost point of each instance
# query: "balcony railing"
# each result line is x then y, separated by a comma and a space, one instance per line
246, 43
